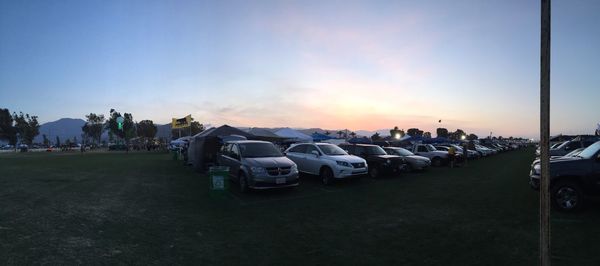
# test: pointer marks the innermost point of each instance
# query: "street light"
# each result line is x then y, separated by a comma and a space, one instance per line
463, 137
397, 136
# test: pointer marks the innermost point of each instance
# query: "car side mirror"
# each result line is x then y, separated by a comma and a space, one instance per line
315, 153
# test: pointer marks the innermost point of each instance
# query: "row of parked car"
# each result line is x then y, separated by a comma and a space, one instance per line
574, 173
261, 165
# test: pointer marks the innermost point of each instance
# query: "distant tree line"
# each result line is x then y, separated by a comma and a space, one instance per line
18, 127
23, 128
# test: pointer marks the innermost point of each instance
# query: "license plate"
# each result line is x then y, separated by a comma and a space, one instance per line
280, 181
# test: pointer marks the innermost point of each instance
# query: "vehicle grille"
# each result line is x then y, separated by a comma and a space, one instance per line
358, 165
274, 171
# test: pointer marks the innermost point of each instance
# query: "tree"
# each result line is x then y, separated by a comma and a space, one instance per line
375, 136
196, 127
26, 126
414, 132
94, 127
441, 132
327, 133
45, 141
57, 144
128, 130
457, 135
146, 129
7, 130
472, 137
427, 135
352, 134
340, 133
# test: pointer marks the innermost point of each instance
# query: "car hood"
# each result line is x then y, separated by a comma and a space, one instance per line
347, 158
393, 158
269, 162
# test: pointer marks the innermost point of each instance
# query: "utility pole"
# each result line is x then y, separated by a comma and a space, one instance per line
545, 135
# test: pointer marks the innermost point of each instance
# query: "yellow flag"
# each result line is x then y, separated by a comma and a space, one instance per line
181, 122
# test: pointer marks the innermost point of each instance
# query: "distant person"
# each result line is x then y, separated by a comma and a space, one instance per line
452, 156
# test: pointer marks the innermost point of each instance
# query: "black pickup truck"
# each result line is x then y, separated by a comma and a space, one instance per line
573, 179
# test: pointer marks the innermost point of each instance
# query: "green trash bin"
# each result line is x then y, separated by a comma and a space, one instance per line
218, 179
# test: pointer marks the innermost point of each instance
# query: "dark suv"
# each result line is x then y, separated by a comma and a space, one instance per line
257, 165
572, 179
378, 160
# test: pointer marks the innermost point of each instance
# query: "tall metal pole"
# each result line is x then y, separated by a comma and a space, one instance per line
545, 135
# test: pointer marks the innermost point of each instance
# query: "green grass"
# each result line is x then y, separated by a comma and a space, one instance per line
144, 208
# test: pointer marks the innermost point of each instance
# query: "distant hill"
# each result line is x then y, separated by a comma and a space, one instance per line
64, 128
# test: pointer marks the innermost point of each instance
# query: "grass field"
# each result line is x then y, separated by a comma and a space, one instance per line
144, 208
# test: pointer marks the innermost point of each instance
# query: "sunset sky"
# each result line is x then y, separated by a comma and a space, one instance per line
331, 64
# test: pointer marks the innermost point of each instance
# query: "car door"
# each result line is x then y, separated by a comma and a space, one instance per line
298, 155
313, 162
234, 160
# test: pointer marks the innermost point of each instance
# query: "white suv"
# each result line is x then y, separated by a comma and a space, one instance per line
326, 160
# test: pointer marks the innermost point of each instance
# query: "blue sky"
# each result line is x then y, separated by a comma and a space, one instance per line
331, 64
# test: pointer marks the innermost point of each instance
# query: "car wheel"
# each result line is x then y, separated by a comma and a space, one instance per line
327, 176
437, 161
373, 172
243, 182
567, 196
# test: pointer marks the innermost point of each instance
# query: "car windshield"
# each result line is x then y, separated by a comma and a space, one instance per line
590, 151
574, 153
402, 151
259, 149
374, 150
556, 145
332, 150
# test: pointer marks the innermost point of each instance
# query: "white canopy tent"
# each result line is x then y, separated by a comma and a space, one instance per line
293, 135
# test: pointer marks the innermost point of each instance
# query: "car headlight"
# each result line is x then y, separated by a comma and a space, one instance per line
537, 169
257, 170
342, 163
294, 168
388, 161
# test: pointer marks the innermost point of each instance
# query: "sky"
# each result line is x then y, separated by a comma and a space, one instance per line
360, 65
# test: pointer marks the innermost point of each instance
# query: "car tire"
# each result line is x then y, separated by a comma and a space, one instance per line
567, 196
408, 168
436, 161
326, 176
243, 183
373, 172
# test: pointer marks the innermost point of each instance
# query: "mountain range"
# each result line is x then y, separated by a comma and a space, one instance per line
69, 128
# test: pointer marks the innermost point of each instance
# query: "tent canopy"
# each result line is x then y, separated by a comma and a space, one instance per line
205, 145
264, 134
361, 140
320, 137
293, 135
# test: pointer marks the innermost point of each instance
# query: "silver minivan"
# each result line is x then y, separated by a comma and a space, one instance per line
257, 165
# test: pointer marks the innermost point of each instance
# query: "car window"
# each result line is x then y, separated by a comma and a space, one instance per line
298, 149
311, 148
259, 149
234, 152
359, 150
421, 149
